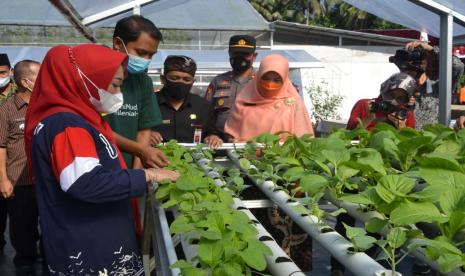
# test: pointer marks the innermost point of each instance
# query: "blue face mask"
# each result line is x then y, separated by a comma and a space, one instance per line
136, 64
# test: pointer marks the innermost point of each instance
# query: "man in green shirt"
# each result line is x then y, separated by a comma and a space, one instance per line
139, 38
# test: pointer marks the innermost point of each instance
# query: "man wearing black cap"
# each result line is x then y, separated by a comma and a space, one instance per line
224, 88
7, 86
187, 117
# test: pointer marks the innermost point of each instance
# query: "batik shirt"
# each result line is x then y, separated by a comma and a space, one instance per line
84, 199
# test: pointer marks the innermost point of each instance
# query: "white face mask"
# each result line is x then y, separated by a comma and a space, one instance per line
108, 103
4, 81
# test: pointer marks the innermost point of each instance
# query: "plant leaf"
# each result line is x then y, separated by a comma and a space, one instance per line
353, 232
391, 186
412, 212
244, 163
211, 252
443, 178
452, 200
312, 183
336, 157
396, 237
363, 242
293, 174
375, 225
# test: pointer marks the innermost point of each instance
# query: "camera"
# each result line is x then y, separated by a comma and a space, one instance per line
385, 107
409, 59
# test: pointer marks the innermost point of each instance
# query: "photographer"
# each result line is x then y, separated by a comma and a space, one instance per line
421, 61
390, 107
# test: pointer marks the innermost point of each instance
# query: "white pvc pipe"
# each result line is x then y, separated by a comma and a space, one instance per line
359, 263
353, 210
279, 262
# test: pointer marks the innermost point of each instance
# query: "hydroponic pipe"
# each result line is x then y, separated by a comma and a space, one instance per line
222, 147
353, 210
279, 262
359, 263
165, 248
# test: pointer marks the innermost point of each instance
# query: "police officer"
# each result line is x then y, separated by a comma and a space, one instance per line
224, 88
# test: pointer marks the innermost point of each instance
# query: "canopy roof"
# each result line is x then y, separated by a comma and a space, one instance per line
415, 14
166, 14
205, 59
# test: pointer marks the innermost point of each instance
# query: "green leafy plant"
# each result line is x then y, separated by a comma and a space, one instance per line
406, 177
325, 104
226, 238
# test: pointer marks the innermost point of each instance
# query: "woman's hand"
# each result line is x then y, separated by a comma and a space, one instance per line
158, 175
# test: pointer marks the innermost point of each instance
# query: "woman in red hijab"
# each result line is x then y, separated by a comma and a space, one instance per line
83, 188
269, 104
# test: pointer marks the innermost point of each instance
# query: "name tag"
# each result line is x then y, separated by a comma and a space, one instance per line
166, 122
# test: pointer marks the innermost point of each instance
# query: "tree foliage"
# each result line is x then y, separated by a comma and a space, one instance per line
326, 13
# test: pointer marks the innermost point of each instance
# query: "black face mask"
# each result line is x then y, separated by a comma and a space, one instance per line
240, 64
176, 90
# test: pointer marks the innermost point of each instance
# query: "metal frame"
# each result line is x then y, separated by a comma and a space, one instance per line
100, 16
157, 234
73, 17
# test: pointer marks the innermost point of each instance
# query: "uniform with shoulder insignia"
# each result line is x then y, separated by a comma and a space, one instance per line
224, 88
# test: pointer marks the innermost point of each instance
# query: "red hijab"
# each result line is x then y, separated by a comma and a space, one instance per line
59, 88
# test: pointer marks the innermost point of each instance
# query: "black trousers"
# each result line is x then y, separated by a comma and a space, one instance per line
3, 217
24, 233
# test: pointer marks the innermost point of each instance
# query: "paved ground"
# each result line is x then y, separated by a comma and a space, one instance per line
7, 267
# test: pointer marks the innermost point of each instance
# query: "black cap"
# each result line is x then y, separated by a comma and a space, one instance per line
4, 60
242, 43
180, 63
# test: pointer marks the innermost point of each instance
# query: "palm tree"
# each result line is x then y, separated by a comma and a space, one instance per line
329, 13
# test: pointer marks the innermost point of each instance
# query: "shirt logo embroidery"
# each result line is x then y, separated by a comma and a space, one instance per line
38, 128
111, 151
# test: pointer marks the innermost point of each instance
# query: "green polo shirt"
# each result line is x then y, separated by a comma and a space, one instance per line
139, 111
